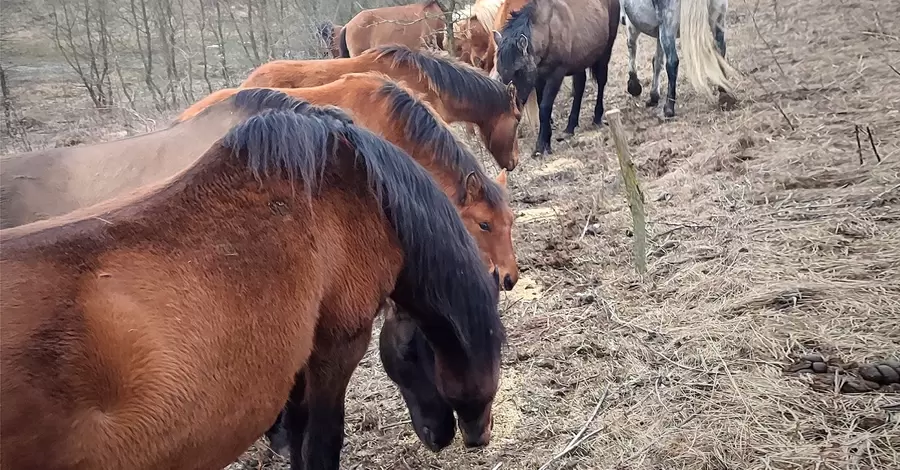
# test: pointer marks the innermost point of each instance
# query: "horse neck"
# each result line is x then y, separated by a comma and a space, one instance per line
394, 131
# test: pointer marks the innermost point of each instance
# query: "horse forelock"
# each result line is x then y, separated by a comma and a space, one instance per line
454, 79
424, 128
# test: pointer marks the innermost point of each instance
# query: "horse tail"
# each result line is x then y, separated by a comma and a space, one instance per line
703, 64
531, 111
342, 43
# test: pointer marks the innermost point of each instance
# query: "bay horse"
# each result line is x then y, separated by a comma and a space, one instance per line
46, 183
457, 91
328, 33
386, 108
417, 26
135, 331
548, 39
704, 23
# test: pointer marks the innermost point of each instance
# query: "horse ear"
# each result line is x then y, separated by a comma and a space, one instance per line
501, 178
473, 187
522, 42
497, 37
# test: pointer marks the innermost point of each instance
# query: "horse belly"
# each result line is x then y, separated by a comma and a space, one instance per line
642, 14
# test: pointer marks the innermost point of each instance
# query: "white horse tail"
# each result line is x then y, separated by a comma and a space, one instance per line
703, 64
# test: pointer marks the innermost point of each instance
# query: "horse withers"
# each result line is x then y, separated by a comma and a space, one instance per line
701, 26
134, 331
548, 39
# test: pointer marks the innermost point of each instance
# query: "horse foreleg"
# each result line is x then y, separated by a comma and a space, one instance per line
328, 373
579, 80
286, 435
667, 33
551, 89
634, 84
657, 71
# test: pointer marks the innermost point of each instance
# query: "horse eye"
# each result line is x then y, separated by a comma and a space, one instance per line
485, 226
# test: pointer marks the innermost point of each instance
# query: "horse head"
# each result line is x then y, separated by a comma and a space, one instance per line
515, 63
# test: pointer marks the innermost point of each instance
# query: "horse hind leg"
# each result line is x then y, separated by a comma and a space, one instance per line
667, 32
600, 71
657, 71
726, 100
579, 80
634, 84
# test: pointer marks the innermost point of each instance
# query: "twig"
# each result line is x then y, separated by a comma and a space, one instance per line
894, 69
497, 467
394, 425
763, 38
858, 145
578, 439
872, 143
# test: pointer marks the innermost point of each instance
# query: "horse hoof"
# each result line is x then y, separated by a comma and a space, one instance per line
727, 102
634, 86
564, 136
668, 113
653, 101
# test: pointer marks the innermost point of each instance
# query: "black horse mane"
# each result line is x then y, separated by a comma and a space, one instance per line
519, 25
423, 128
455, 299
460, 81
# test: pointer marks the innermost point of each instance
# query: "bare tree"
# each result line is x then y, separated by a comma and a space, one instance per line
81, 35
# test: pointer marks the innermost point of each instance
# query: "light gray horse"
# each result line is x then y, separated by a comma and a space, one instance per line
702, 32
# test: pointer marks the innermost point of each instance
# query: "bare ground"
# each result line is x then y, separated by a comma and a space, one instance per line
770, 242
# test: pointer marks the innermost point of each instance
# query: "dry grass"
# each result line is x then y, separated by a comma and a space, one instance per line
767, 243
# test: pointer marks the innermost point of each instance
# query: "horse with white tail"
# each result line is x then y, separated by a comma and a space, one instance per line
702, 32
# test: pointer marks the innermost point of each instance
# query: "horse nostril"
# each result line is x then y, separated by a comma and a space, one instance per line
508, 283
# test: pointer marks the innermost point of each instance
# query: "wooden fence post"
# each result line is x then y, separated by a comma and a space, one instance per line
632, 189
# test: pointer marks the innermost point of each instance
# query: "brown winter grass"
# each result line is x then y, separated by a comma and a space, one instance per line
766, 242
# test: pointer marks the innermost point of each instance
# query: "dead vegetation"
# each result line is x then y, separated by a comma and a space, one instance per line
773, 284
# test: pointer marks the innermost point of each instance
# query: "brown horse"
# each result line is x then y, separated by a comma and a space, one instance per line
386, 108
391, 111
458, 92
129, 342
417, 26
47, 183
473, 37
328, 34
547, 40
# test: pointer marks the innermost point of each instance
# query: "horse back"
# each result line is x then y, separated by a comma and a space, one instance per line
408, 25
576, 33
